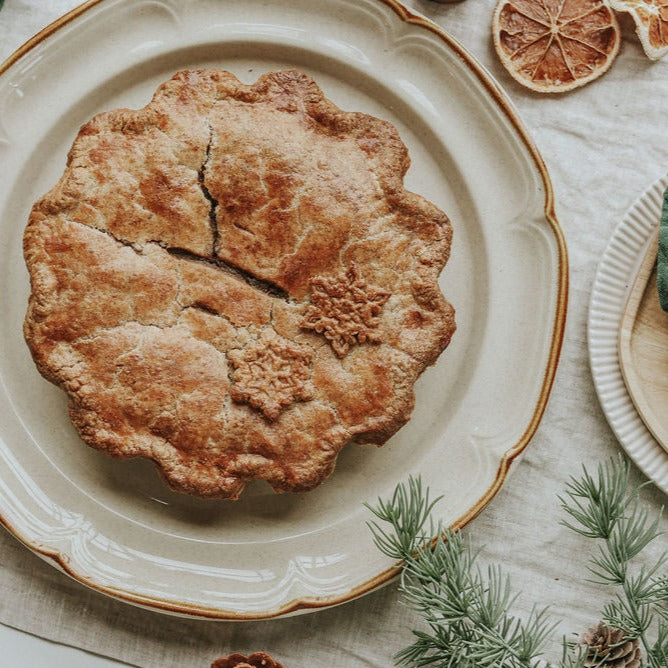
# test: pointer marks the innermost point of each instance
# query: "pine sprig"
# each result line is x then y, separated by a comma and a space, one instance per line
606, 508
597, 504
467, 611
407, 512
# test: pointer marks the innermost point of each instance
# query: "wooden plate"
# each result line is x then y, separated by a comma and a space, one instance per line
643, 348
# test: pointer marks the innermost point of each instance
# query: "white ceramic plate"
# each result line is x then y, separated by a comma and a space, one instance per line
614, 278
112, 524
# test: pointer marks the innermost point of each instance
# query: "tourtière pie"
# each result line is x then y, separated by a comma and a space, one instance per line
234, 283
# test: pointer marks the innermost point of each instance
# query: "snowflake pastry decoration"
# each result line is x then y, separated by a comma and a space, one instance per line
271, 373
345, 309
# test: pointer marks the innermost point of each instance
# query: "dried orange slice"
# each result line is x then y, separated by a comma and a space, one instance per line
651, 18
552, 46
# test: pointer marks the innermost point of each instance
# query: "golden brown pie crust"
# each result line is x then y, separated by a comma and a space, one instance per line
234, 283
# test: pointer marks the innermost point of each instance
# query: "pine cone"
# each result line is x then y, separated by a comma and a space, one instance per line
607, 649
255, 660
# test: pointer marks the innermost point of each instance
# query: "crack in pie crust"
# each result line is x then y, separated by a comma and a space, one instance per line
234, 283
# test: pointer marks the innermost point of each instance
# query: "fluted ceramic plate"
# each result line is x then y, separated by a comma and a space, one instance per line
112, 524
614, 279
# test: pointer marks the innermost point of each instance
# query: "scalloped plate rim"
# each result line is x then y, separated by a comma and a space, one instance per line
499, 97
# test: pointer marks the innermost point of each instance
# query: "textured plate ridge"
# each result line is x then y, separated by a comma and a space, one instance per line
615, 274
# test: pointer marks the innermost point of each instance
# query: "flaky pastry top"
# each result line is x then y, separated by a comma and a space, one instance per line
234, 283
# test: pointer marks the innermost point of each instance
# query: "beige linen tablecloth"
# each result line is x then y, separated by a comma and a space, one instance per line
603, 145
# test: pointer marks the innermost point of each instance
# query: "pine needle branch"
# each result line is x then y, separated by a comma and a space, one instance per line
597, 504
407, 512
606, 508
466, 610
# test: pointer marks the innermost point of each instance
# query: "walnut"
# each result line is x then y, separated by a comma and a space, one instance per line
271, 373
345, 309
255, 660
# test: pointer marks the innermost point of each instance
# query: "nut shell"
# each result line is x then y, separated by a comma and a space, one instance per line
255, 660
